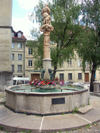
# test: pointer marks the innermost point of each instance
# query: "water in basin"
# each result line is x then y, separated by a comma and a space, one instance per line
38, 90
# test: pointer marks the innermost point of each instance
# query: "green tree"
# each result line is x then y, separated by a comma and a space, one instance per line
37, 49
89, 42
64, 16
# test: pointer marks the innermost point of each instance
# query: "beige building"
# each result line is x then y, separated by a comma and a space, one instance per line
70, 71
29, 64
18, 54
23, 64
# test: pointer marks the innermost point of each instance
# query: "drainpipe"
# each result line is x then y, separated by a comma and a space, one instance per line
24, 60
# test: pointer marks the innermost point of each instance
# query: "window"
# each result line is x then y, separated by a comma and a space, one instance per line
69, 62
12, 34
69, 76
12, 68
19, 68
12, 56
79, 75
29, 62
79, 63
19, 76
29, 51
19, 56
13, 45
19, 45
61, 76
86, 64
19, 34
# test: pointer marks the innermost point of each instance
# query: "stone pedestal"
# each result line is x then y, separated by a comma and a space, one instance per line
5, 80
46, 66
96, 87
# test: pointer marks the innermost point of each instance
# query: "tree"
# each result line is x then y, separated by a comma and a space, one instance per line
37, 49
89, 48
64, 15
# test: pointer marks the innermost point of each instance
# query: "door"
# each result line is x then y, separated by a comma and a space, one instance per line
86, 77
35, 76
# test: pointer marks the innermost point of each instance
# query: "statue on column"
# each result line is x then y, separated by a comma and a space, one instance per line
46, 19
46, 29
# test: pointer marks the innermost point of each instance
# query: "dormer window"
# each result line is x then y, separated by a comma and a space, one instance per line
12, 34
19, 34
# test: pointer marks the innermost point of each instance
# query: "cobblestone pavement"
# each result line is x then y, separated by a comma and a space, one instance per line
94, 128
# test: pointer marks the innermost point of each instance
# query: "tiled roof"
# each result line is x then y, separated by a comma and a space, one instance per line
22, 37
16, 35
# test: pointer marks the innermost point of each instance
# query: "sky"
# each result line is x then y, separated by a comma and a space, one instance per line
20, 12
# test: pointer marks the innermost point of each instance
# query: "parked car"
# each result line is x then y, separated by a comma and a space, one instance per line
20, 80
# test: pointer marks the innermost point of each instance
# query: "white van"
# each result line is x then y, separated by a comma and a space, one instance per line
20, 80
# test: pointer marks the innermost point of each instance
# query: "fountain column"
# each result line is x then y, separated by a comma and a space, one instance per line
46, 29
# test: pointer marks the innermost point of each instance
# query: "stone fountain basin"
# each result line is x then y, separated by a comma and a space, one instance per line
46, 103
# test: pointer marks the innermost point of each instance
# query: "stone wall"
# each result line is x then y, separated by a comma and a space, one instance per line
5, 43
5, 12
5, 49
43, 102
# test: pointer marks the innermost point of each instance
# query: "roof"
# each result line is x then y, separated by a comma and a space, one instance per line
20, 38
16, 35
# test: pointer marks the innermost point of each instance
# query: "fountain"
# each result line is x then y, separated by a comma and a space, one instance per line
32, 100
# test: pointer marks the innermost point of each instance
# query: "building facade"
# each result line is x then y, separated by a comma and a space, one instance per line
29, 64
23, 64
70, 71
18, 54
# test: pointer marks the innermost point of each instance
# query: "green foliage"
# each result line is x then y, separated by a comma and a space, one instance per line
4, 103
37, 51
63, 113
87, 126
64, 19
91, 37
7, 131
88, 101
75, 110
1, 127
29, 131
83, 105
89, 42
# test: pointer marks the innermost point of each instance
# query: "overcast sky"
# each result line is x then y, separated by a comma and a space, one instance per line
20, 11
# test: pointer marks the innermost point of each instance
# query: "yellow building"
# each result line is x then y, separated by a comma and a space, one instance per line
23, 64
18, 53
29, 64
70, 71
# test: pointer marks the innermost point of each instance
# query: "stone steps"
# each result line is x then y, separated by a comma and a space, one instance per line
86, 109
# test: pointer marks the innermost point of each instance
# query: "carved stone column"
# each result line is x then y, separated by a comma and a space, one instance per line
46, 29
46, 46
